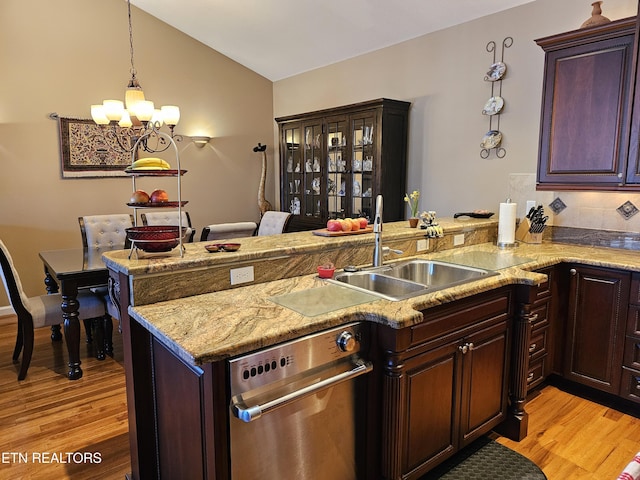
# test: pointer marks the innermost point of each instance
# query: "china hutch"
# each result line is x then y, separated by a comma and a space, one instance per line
335, 162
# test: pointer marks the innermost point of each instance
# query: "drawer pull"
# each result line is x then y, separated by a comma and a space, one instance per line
532, 347
530, 377
467, 347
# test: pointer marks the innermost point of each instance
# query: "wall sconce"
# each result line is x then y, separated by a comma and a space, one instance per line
200, 141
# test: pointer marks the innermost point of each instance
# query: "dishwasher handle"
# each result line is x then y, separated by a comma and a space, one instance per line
248, 414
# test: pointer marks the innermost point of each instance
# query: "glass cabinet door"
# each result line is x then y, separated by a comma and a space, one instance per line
311, 192
338, 171
293, 167
363, 164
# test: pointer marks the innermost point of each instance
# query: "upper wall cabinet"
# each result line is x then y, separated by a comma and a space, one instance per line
587, 110
333, 163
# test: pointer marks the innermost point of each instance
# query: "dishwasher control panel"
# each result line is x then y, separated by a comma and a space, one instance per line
286, 360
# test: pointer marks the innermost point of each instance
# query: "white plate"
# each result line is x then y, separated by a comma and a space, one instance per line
493, 106
496, 72
492, 139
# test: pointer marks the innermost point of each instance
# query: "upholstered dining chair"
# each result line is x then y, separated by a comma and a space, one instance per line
104, 232
273, 222
36, 312
220, 231
170, 217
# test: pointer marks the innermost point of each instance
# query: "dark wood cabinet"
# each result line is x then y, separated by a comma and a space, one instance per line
595, 330
334, 162
545, 331
630, 384
445, 382
586, 109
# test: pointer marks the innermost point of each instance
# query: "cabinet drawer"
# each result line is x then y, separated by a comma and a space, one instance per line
630, 386
634, 297
538, 343
542, 310
544, 290
536, 372
632, 352
633, 320
448, 318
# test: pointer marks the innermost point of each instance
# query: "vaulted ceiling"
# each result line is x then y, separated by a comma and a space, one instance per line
281, 38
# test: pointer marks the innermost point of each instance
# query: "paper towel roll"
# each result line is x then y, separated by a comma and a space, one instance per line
507, 224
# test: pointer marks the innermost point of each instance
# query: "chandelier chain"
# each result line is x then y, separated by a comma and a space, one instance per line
133, 68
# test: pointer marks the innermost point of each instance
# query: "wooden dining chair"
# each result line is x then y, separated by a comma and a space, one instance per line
170, 218
104, 232
273, 222
220, 231
36, 312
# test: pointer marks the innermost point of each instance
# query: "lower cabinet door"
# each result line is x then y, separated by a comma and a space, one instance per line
598, 303
484, 382
433, 398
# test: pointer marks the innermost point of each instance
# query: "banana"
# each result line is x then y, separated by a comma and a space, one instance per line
150, 164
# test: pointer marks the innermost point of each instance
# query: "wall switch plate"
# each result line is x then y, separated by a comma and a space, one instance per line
530, 204
458, 240
241, 275
422, 245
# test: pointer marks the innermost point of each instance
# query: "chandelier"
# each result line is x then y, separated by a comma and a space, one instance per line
134, 122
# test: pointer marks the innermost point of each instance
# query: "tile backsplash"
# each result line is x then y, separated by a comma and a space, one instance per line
611, 211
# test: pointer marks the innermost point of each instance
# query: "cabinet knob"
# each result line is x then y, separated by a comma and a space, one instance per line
573, 271
463, 348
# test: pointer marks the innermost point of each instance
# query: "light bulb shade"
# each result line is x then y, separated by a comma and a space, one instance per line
125, 121
157, 118
98, 115
113, 109
143, 110
132, 96
170, 114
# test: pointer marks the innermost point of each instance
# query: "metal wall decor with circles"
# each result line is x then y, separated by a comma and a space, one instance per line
495, 104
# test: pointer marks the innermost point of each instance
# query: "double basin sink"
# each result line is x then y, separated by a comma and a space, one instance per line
411, 278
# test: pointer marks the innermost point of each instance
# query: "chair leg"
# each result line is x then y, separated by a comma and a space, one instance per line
98, 325
27, 352
108, 335
19, 342
56, 333
87, 328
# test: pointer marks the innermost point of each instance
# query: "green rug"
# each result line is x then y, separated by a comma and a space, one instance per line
486, 459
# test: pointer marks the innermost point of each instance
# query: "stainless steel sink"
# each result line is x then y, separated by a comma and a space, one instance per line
409, 279
436, 274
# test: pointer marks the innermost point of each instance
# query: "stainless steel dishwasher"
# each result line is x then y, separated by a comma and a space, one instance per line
298, 409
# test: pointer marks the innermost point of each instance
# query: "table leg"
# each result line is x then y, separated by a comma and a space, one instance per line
52, 287
70, 307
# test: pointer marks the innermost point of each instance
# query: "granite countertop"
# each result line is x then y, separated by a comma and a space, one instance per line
214, 326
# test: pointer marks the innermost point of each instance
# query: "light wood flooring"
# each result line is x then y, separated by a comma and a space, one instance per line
569, 437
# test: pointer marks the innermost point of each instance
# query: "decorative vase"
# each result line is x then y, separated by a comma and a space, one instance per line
596, 17
413, 222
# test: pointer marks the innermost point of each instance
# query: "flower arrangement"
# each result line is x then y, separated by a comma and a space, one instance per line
412, 200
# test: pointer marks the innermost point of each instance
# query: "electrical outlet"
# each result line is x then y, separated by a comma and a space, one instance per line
241, 275
458, 240
422, 245
530, 204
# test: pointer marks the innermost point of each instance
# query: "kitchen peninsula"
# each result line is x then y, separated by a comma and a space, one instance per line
187, 320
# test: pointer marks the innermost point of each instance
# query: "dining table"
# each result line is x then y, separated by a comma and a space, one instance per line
68, 271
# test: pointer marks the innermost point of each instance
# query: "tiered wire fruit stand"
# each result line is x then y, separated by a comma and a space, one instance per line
177, 204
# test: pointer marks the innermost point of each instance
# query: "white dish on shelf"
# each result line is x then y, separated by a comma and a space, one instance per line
492, 139
493, 106
496, 72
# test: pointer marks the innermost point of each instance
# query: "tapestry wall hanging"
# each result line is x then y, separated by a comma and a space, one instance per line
86, 151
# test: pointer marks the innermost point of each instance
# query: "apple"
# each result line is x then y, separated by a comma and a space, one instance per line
334, 226
346, 224
159, 196
355, 224
139, 196
363, 222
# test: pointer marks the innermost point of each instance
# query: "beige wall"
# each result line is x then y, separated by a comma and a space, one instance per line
442, 75
63, 56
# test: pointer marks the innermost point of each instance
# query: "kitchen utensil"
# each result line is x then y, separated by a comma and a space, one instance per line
477, 214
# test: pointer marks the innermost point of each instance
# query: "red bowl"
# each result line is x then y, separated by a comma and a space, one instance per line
325, 272
155, 238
